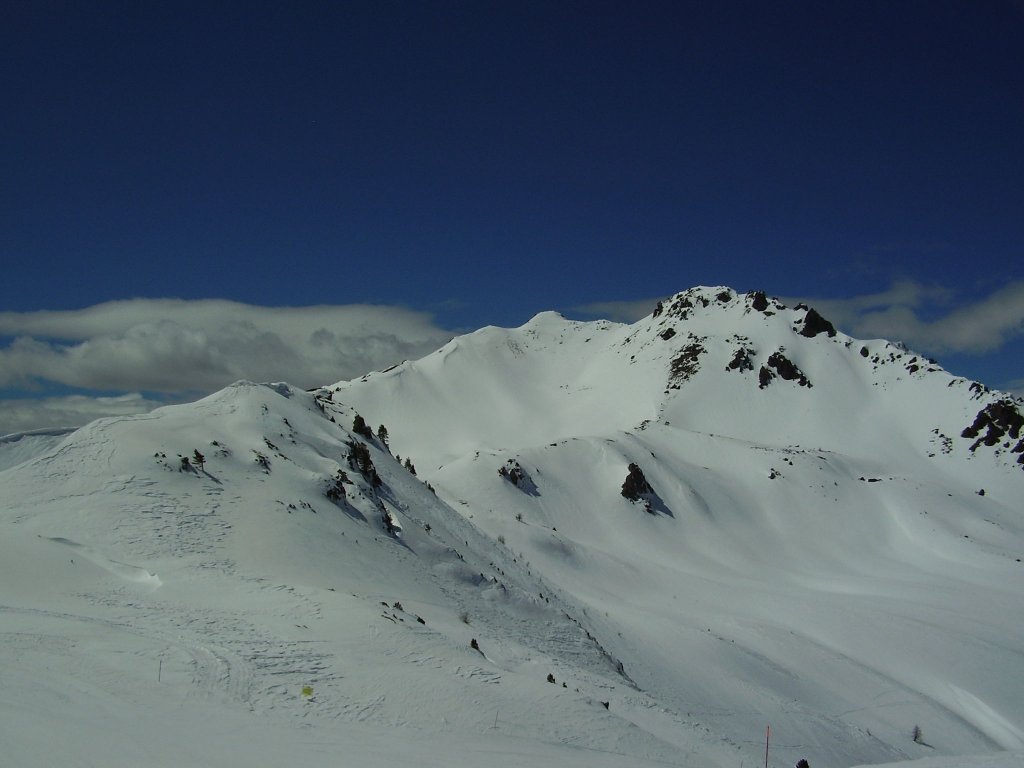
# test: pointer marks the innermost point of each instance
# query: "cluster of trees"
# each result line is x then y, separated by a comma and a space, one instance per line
189, 463
359, 459
336, 490
361, 428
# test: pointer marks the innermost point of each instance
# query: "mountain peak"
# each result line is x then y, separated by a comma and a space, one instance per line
546, 317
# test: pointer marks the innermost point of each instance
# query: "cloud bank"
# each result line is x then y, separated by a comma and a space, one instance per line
176, 347
978, 327
26, 415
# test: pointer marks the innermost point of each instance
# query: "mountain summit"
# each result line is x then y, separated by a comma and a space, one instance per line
569, 543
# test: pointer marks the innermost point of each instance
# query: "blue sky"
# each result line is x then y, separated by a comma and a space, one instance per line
429, 168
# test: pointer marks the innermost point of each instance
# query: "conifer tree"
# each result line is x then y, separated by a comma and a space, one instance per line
360, 427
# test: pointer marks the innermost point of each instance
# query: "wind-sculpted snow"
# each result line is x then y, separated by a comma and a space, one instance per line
840, 561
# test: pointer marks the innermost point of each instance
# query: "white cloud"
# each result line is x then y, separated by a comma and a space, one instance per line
23, 415
980, 327
184, 348
173, 346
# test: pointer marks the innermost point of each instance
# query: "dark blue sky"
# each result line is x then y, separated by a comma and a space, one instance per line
490, 160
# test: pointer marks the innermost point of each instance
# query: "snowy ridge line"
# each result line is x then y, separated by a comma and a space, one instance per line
14, 437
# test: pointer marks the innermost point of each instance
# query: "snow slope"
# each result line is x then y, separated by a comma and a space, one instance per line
22, 446
813, 558
818, 548
217, 595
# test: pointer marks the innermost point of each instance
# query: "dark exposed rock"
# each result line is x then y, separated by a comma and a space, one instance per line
998, 419
764, 377
667, 334
687, 362
863, 351
635, 484
636, 488
514, 473
685, 302
658, 309
786, 370
724, 297
758, 300
741, 361
815, 324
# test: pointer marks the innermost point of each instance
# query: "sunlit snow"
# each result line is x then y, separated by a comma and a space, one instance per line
819, 560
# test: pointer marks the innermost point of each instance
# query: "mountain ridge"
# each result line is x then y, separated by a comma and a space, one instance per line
675, 337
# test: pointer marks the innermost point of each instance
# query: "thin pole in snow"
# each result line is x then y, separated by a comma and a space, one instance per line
160, 670
767, 736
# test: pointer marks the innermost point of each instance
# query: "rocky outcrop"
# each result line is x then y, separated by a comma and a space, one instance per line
514, 473
999, 420
635, 485
814, 324
781, 366
686, 364
741, 361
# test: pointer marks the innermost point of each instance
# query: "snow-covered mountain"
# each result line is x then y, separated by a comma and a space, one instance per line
578, 543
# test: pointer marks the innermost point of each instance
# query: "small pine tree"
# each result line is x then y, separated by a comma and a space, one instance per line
198, 459
382, 435
408, 465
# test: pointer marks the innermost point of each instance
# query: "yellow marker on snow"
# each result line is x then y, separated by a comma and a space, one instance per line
307, 691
